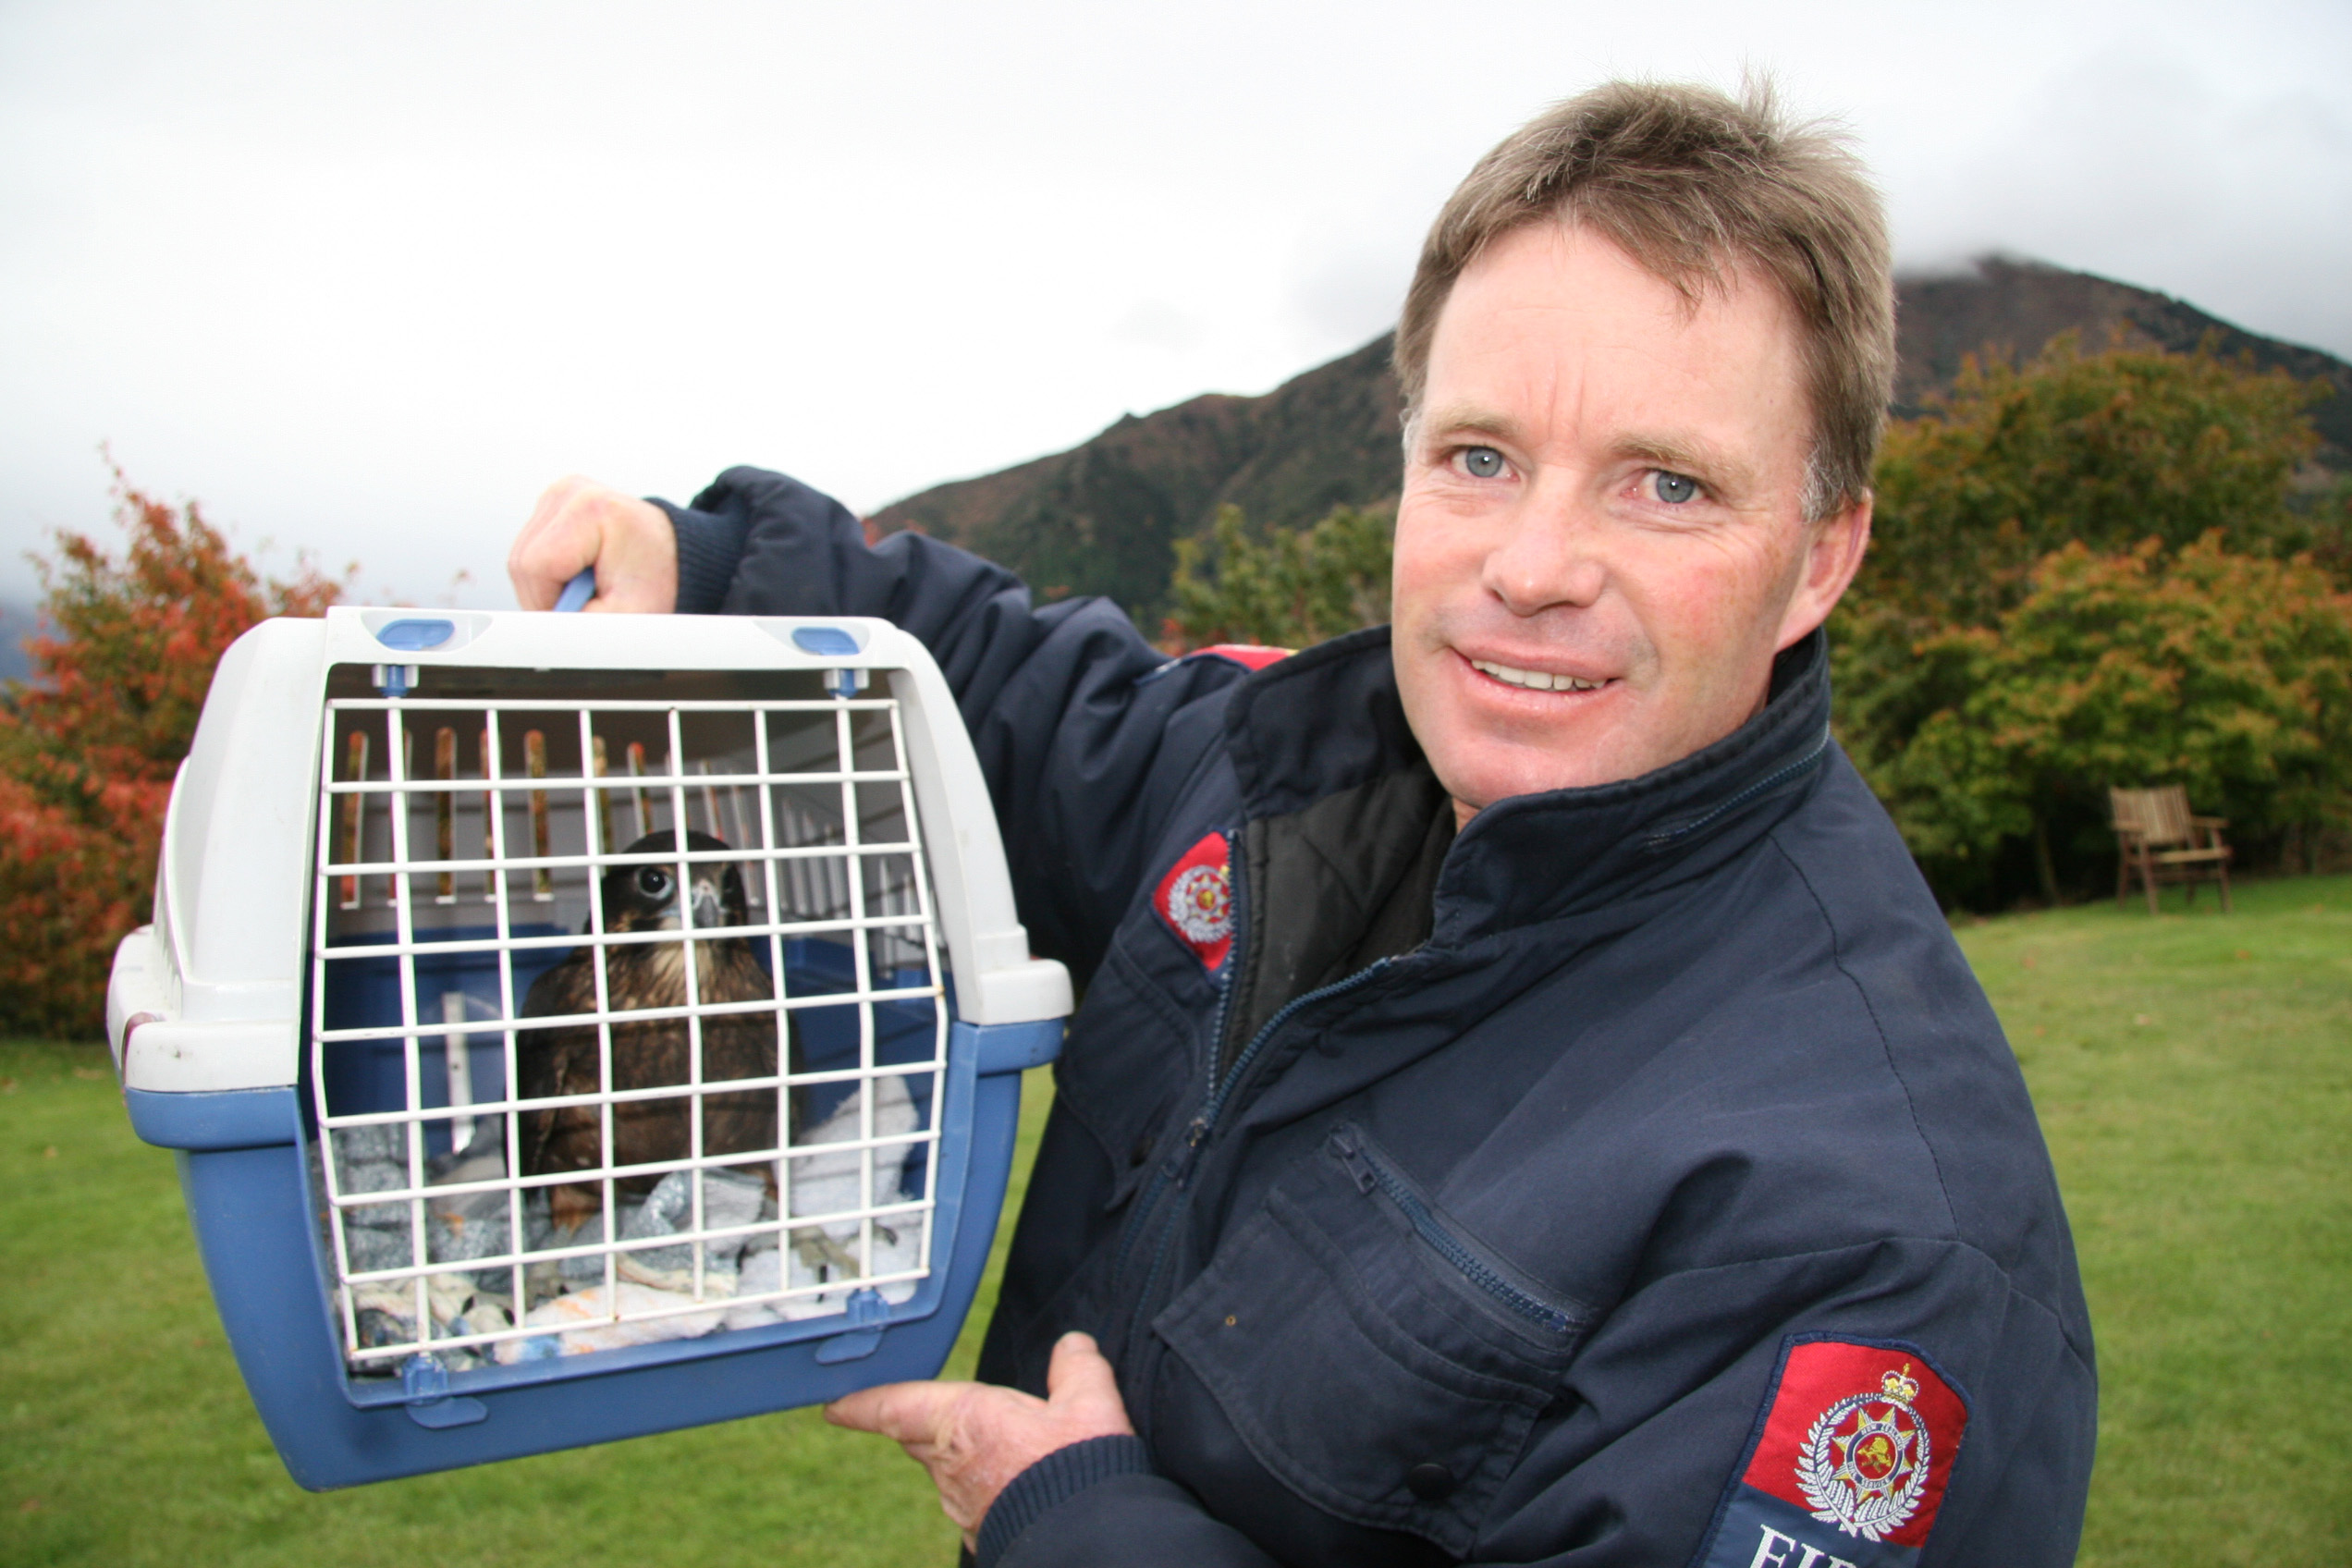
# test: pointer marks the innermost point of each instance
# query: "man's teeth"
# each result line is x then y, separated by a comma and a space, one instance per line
1535, 679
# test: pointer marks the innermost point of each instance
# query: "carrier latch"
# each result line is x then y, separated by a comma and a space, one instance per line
868, 1315
426, 1384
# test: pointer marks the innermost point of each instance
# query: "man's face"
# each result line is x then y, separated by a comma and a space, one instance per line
1601, 543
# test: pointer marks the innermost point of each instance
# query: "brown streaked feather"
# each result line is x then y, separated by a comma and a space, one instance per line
655, 1054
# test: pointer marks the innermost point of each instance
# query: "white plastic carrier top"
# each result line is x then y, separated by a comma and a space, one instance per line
223, 977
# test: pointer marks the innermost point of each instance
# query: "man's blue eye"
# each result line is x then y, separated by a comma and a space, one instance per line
1484, 462
1674, 488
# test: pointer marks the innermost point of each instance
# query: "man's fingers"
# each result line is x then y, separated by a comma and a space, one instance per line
974, 1438
578, 524
554, 545
905, 1413
553, 500
1080, 1381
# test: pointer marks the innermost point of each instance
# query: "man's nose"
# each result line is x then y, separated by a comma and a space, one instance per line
1548, 556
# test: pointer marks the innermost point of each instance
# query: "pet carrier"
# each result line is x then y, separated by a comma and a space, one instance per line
578, 1026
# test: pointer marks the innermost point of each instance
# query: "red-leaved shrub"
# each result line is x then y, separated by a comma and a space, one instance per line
89, 743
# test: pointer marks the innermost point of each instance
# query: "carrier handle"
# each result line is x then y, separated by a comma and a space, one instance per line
578, 591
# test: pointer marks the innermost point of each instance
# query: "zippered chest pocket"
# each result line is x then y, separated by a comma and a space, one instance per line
1378, 1358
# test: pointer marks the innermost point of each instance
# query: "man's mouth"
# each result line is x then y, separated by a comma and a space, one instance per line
1534, 680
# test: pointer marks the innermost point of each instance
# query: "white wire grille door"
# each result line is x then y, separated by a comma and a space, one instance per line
627, 1014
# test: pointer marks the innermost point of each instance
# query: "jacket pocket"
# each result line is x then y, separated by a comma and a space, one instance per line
1380, 1360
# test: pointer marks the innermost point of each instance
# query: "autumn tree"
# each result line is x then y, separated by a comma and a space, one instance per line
2099, 449
2229, 674
1288, 589
89, 745
1972, 661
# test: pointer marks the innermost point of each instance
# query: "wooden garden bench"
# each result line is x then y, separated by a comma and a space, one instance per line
2159, 838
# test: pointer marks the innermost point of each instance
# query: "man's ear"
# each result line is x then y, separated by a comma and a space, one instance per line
1833, 556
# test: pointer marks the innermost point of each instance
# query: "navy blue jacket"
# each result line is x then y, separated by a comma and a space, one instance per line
1648, 1183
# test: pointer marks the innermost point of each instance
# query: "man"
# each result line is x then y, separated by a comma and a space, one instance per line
1526, 1107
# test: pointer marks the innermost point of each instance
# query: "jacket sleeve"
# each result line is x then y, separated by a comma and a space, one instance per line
1086, 732
1137, 1521
1104, 1501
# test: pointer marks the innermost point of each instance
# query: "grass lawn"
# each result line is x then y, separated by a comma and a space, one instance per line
2194, 1074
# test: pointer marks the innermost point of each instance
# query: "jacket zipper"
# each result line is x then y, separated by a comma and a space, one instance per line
1177, 1169
1370, 1174
1149, 1198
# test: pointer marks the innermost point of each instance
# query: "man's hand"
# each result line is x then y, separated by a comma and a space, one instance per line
974, 1438
579, 524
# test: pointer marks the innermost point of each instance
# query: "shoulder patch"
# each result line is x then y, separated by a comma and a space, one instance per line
1848, 1463
1249, 655
1195, 899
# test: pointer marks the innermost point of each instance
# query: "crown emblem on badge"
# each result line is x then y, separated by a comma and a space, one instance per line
1196, 898
1200, 904
1863, 1466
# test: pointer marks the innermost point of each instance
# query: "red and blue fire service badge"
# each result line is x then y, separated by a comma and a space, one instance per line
1196, 900
1850, 1465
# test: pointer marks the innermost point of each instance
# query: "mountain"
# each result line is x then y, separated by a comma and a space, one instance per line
1104, 516
2018, 306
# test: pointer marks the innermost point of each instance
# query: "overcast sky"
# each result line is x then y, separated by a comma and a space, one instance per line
363, 278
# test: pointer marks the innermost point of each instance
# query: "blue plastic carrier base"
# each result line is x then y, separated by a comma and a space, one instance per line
249, 1201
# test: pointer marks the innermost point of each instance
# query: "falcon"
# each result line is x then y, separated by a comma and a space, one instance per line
655, 1053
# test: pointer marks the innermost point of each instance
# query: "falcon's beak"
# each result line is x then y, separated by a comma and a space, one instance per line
707, 909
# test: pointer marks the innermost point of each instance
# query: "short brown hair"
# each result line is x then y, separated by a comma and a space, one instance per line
1692, 184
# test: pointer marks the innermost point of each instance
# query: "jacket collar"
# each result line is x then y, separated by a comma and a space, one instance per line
1330, 720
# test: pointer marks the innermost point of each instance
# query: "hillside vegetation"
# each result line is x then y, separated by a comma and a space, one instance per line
1104, 516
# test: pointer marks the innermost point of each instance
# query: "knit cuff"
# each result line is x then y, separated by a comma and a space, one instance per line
709, 548
1055, 1479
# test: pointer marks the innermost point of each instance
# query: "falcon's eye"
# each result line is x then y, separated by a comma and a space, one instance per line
1481, 462
653, 881
1674, 488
